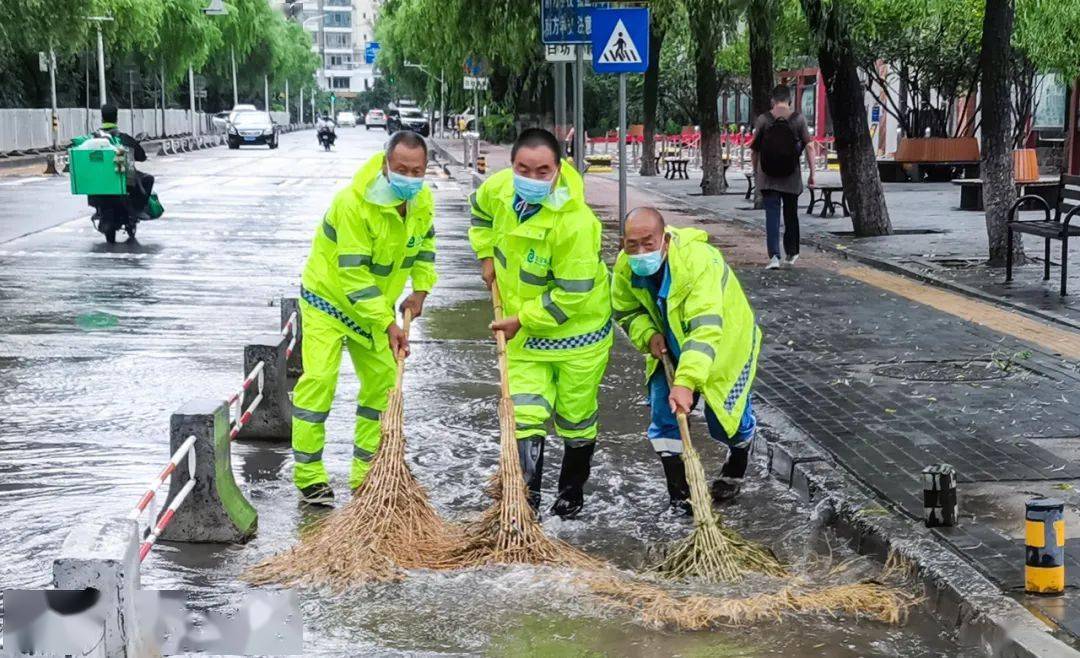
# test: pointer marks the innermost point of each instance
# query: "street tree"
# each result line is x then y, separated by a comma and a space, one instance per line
999, 191
662, 15
829, 22
710, 21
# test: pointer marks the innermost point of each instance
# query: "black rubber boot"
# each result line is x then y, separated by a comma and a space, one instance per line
677, 487
729, 484
531, 453
576, 465
319, 494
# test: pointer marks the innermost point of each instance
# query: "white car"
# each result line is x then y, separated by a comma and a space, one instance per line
346, 119
375, 118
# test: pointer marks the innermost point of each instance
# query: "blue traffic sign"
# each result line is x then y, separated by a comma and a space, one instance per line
567, 21
371, 51
620, 40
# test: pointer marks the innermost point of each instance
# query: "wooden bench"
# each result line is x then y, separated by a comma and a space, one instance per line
1057, 227
824, 195
1046, 187
676, 168
936, 158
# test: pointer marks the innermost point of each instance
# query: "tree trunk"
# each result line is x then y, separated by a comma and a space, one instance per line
854, 148
652, 98
761, 16
706, 35
999, 191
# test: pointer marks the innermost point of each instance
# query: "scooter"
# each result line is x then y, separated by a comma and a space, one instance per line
327, 138
112, 214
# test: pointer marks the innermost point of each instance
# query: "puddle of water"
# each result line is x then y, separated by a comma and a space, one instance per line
89, 414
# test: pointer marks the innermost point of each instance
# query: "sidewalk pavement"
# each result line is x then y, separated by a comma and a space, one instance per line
888, 375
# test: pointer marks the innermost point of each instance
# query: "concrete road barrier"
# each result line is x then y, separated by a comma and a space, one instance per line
216, 510
273, 417
105, 556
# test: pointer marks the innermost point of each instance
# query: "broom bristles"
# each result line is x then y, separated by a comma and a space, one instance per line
388, 526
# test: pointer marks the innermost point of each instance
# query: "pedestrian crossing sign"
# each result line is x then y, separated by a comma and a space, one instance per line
620, 40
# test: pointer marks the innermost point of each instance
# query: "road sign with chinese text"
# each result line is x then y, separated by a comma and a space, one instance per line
564, 52
567, 21
371, 51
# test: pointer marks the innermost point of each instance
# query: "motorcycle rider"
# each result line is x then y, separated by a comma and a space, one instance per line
140, 184
325, 126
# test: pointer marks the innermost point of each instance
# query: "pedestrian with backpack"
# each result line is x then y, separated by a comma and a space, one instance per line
780, 137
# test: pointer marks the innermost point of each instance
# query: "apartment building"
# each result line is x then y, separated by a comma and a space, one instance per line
340, 33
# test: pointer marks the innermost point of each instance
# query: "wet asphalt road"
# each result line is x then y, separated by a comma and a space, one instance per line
99, 344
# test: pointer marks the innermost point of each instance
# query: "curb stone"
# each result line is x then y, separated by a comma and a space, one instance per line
978, 611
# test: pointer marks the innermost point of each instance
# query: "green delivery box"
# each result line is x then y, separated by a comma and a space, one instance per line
98, 167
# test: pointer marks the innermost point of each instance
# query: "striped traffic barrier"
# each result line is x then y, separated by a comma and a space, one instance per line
1044, 532
292, 325
147, 499
939, 496
266, 356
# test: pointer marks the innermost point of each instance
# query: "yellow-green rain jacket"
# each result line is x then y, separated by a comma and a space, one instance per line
364, 252
548, 267
709, 315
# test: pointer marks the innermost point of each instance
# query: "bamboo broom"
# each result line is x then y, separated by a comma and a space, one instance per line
711, 552
508, 532
388, 526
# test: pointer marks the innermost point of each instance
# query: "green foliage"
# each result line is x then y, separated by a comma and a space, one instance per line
499, 128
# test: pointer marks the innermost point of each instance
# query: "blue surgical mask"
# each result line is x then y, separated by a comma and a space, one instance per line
405, 187
646, 264
531, 190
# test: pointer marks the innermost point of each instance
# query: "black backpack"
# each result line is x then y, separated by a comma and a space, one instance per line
779, 148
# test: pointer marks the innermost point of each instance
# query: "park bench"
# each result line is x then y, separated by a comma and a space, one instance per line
676, 168
823, 194
1056, 227
1045, 187
932, 158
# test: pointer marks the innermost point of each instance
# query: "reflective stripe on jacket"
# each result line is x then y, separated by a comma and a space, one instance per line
364, 252
708, 313
548, 267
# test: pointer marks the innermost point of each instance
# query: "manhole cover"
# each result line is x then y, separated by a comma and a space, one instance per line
978, 370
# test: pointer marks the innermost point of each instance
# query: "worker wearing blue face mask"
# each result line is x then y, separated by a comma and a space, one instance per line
676, 297
378, 235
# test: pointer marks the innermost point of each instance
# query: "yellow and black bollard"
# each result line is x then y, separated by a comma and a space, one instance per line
1044, 523
481, 164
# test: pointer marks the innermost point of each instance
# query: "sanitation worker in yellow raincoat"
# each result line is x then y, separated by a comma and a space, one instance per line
378, 233
677, 298
536, 237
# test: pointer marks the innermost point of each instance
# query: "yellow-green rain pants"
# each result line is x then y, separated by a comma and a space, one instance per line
563, 390
324, 339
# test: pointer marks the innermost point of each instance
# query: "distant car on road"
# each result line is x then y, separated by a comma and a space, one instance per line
375, 118
252, 128
346, 119
407, 118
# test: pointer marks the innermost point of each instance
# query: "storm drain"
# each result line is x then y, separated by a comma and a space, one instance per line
952, 371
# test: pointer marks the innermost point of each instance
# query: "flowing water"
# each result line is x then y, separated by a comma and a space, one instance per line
100, 344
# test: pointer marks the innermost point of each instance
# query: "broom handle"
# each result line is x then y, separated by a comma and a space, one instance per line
500, 341
400, 357
684, 425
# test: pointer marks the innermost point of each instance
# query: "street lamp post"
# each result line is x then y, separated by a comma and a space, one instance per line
191, 93
235, 97
98, 20
266, 92
52, 87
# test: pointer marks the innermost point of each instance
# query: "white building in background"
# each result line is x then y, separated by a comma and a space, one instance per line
340, 33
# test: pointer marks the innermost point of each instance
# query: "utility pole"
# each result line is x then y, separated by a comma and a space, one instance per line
162, 99
266, 92
52, 87
235, 97
622, 154
191, 93
560, 99
98, 20
288, 112
301, 106
442, 104
579, 109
